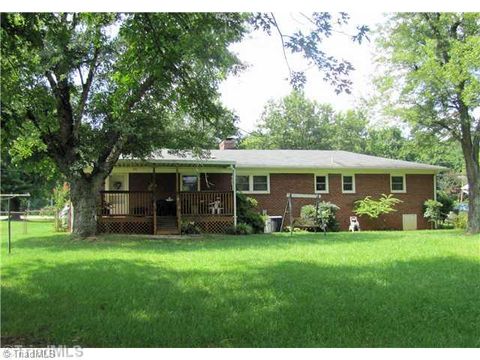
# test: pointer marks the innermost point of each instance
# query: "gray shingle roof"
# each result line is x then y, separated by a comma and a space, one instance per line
295, 159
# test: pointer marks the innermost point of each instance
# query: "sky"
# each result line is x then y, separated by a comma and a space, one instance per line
265, 78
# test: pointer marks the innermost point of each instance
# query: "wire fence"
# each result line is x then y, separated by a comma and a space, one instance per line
60, 223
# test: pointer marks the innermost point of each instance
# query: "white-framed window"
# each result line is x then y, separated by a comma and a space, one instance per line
398, 183
321, 183
243, 183
253, 184
189, 182
348, 184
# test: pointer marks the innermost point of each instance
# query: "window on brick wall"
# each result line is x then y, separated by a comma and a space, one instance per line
255, 184
348, 183
397, 184
260, 183
243, 183
190, 183
321, 184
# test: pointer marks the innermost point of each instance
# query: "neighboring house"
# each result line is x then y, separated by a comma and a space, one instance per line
155, 195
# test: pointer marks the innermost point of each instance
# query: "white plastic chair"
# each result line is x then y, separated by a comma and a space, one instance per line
215, 207
354, 224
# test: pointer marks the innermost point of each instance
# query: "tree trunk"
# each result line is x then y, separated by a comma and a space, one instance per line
84, 193
473, 177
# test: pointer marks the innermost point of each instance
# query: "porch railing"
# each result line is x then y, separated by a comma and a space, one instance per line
126, 203
141, 203
206, 203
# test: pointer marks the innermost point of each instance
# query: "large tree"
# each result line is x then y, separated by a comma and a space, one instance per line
294, 122
92, 87
95, 86
433, 64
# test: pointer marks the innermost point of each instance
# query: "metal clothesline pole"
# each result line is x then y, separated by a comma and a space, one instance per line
8, 197
9, 228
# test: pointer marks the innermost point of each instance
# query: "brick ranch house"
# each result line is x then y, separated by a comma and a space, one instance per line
154, 195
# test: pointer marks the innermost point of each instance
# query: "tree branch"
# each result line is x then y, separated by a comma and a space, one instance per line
51, 80
85, 90
274, 22
142, 90
81, 76
50, 140
108, 156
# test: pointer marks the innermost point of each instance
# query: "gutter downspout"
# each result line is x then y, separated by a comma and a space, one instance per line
435, 186
234, 186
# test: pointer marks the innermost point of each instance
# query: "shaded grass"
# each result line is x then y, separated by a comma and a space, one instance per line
370, 289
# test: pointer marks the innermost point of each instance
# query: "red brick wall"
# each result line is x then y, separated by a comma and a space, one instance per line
419, 189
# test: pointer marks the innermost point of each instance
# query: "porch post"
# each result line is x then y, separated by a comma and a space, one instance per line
154, 198
234, 186
177, 202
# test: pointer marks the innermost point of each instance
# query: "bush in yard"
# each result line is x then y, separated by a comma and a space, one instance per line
448, 203
376, 208
247, 214
47, 211
459, 220
189, 228
432, 211
240, 229
295, 229
61, 197
325, 214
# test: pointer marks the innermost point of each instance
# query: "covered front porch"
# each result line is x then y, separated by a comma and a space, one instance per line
156, 198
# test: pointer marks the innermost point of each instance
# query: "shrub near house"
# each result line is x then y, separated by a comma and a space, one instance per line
321, 215
376, 209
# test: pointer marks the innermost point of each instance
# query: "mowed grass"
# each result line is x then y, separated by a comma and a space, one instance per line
369, 289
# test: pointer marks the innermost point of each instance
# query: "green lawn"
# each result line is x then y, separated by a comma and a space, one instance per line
371, 289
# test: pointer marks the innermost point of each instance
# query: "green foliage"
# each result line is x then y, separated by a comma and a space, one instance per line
433, 211
448, 203
240, 229
449, 183
24, 167
296, 122
325, 214
375, 208
49, 210
61, 197
321, 25
432, 62
296, 229
247, 213
182, 108
189, 228
459, 221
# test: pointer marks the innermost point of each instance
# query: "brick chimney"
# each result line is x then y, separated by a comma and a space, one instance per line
229, 143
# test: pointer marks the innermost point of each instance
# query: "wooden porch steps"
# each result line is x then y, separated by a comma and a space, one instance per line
167, 225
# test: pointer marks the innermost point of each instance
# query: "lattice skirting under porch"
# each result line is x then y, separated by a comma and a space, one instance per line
211, 224
125, 225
